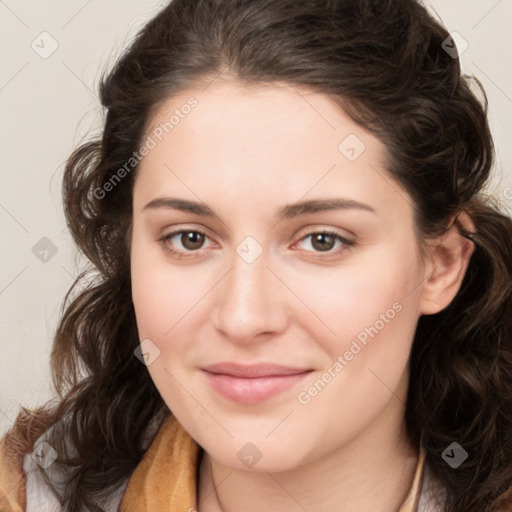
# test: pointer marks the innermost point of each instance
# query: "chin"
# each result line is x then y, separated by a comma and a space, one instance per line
255, 458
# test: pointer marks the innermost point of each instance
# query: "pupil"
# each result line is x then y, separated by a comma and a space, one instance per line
321, 239
193, 239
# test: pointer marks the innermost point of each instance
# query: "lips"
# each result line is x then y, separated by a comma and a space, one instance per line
253, 371
252, 384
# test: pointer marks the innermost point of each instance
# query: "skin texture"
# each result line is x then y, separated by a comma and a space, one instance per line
245, 152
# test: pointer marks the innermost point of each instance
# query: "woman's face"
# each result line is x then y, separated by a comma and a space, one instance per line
244, 182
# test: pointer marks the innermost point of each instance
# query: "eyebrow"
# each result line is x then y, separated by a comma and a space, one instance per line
288, 211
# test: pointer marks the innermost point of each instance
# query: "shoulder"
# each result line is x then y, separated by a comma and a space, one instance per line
31, 475
12, 476
433, 494
17, 455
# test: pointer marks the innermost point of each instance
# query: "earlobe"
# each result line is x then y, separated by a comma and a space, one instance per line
448, 260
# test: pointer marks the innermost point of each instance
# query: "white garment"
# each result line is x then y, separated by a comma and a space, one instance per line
40, 497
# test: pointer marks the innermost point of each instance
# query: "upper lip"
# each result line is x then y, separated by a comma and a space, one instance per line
252, 371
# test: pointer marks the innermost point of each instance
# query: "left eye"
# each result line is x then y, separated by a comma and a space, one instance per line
323, 241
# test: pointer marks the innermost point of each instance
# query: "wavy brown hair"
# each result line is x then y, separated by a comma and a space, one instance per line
383, 61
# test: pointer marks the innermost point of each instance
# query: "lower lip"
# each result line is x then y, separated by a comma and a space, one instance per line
254, 390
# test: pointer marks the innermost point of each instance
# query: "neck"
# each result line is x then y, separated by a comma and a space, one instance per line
374, 471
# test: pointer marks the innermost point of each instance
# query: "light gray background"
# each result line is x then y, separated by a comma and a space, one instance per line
48, 105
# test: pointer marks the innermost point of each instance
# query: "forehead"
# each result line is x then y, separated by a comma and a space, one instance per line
254, 143
274, 114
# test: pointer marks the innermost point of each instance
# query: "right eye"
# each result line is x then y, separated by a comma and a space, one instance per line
191, 241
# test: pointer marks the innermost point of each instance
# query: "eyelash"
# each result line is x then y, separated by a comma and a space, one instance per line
347, 244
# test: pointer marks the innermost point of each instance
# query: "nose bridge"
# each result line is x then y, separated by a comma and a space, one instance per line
248, 304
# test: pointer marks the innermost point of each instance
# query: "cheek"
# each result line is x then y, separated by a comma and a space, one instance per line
169, 303
374, 314
377, 295
161, 294
162, 299
374, 318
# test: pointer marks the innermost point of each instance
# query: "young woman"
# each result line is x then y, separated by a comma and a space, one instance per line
302, 299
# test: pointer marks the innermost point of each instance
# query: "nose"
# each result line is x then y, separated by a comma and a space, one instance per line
250, 302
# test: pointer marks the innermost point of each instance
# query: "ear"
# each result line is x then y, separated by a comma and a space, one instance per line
447, 261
